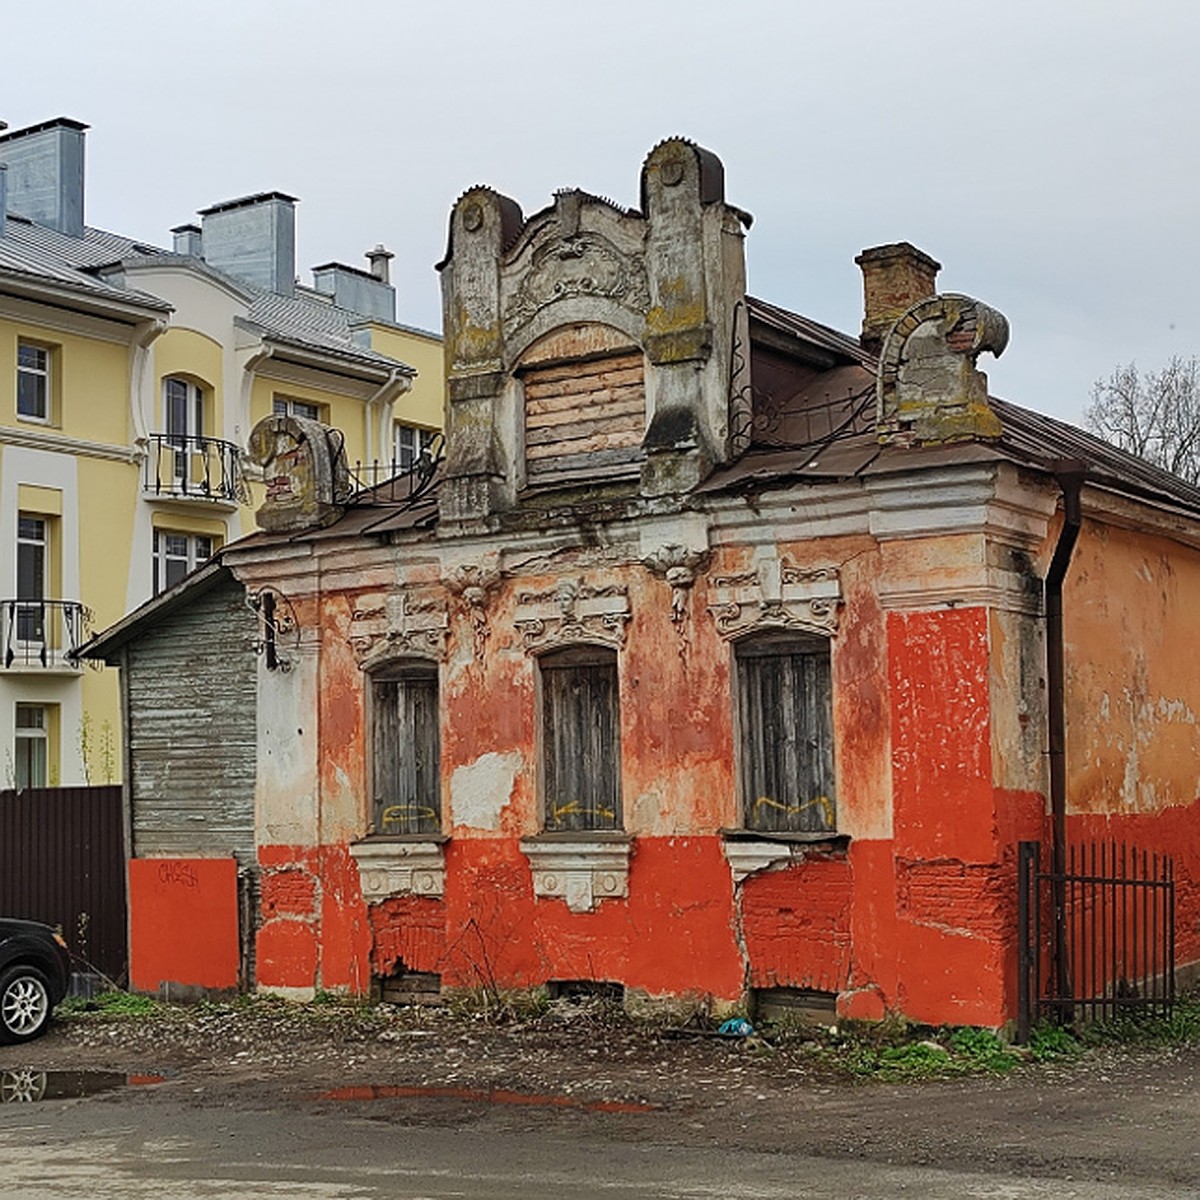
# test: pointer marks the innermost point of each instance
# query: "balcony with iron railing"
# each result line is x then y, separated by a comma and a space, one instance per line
42, 635
188, 467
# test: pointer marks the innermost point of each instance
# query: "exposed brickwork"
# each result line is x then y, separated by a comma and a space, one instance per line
796, 925
288, 893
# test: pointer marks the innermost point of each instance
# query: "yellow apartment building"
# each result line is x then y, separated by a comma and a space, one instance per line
130, 378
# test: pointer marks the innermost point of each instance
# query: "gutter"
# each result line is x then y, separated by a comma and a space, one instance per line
379, 409
1070, 477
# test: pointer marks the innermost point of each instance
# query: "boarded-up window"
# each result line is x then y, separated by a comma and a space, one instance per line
406, 753
584, 415
785, 717
581, 742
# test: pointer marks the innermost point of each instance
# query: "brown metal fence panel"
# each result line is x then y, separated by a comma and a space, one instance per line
1097, 939
62, 861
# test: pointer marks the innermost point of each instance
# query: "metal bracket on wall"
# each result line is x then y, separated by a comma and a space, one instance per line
279, 629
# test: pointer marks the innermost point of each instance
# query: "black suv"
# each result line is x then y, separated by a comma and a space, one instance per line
35, 968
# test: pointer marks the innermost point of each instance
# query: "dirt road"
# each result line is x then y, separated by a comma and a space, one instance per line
272, 1103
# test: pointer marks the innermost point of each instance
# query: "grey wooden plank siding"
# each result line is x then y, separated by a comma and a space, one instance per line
191, 694
785, 714
581, 741
591, 415
406, 752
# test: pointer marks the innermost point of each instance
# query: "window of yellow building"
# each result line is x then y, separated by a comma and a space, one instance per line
34, 379
178, 554
285, 406
35, 745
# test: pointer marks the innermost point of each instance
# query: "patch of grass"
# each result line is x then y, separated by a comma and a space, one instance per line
113, 1004
893, 1051
982, 1050
1048, 1042
1181, 1028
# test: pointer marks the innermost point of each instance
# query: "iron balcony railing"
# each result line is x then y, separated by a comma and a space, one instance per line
184, 466
42, 633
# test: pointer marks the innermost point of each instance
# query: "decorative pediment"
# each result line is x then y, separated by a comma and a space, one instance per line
776, 595
573, 611
393, 624
585, 265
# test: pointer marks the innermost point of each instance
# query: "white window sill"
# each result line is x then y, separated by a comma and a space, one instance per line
389, 868
748, 851
580, 868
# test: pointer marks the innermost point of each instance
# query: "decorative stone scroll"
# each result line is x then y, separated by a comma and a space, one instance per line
573, 611
584, 265
929, 389
304, 468
776, 595
388, 869
397, 623
474, 584
582, 872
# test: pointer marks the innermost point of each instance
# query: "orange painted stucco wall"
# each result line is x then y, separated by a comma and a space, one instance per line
183, 923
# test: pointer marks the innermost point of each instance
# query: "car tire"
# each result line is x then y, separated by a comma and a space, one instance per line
24, 1004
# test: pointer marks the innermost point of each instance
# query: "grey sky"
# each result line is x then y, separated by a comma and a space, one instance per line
1039, 151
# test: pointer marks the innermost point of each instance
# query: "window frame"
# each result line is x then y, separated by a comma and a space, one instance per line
33, 736
411, 674
30, 610
793, 817
160, 559
552, 724
45, 374
405, 458
285, 406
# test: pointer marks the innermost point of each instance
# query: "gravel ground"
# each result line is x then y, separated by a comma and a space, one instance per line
1117, 1114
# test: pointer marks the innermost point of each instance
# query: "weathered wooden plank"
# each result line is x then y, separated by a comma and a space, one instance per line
192, 742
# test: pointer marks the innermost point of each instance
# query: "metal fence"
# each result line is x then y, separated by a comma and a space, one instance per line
62, 861
1097, 938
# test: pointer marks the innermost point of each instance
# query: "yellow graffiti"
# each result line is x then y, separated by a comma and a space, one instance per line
791, 810
398, 814
577, 808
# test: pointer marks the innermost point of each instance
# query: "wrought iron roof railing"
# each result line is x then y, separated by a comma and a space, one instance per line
399, 482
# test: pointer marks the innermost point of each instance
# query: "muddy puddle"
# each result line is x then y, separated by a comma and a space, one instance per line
27, 1086
481, 1096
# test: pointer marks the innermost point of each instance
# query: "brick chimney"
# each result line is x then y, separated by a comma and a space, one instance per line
895, 277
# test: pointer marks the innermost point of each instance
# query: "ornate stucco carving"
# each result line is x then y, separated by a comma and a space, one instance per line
678, 566
582, 871
928, 388
473, 584
776, 595
573, 611
587, 265
388, 869
406, 621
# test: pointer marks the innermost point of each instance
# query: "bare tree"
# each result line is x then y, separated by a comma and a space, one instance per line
1155, 416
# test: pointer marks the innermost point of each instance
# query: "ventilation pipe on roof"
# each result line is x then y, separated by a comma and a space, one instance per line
380, 259
254, 239
188, 240
1070, 477
45, 182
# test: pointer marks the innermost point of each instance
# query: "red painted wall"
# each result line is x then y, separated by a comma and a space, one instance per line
183, 923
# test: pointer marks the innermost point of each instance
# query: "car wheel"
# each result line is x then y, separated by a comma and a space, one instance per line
24, 1004
22, 1086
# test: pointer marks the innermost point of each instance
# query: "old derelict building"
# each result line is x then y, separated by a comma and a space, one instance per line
714, 663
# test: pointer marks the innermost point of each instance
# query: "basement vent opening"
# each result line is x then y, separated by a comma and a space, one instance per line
411, 987
580, 990
798, 1005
